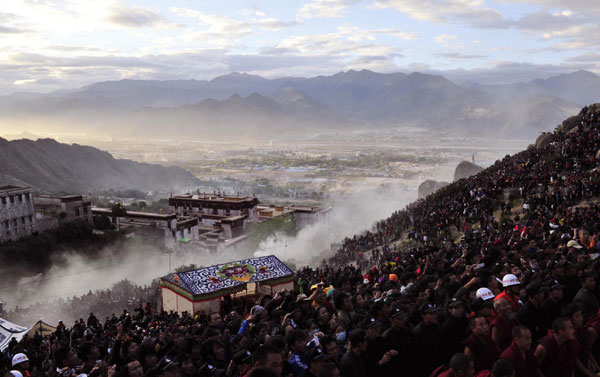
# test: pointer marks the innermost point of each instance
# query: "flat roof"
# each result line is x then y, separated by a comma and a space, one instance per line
233, 218
228, 276
135, 214
9, 188
62, 198
214, 198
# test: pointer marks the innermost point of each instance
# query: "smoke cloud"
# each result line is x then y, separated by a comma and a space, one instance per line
349, 215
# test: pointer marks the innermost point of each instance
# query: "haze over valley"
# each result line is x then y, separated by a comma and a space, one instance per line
249, 107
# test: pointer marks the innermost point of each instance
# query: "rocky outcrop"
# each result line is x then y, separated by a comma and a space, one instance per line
543, 140
466, 169
572, 124
429, 187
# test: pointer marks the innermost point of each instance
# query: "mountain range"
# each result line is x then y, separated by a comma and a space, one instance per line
49, 166
247, 106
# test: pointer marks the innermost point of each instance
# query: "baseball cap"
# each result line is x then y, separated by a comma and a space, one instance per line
554, 284
242, 357
372, 323
357, 336
454, 302
256, 310
534, 288
397, 313
209, 369
16, 373
484, 294
574, 244
167, 364
315, 354
19, 358
428, 308
509, 280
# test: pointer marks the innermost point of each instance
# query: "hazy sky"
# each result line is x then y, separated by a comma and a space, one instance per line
52, 44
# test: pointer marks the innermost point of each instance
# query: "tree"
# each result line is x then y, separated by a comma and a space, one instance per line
102, 222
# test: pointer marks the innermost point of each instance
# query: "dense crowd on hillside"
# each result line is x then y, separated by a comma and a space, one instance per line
494, 275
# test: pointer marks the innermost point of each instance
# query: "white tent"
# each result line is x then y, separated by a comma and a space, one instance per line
8, 331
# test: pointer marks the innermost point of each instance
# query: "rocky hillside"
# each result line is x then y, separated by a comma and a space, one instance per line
49, 166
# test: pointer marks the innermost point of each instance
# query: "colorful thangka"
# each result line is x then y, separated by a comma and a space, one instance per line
230, 276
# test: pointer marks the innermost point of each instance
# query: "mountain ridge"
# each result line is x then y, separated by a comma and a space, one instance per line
50, 166
352, 99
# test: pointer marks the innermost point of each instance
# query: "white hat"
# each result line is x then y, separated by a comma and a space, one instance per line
19, 358
574, 244
16, 373
484, 294
510, 279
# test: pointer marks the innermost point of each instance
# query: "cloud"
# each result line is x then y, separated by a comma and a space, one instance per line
586, 7
348, 42
357, 34
588, 57
42, 82
7, 17
457, 56
333, 44
470, 12
11, 30
544, 21
213, 29
572, 24
445, 38
449, 41
135, 17
274, 24
325, 8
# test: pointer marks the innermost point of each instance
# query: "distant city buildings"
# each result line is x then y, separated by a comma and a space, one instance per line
212, 221
17, 215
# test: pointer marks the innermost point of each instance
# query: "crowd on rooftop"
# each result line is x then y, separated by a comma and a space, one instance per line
493, 275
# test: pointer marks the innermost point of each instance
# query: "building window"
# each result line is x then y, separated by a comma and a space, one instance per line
12, 199
85, 211
30, 219
20, 198
3, 200
23, 220
77, 212
6, 225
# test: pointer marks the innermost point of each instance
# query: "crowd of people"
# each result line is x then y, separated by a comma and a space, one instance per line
493, 275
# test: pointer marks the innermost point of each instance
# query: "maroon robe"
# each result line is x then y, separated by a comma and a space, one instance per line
523, 367
559, 360
484, 351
